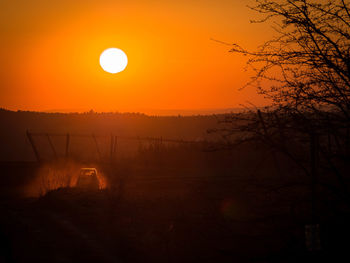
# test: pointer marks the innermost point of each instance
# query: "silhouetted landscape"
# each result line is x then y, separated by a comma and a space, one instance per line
190, 201
247, 158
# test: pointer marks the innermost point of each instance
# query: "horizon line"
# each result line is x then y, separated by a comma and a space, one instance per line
149, 112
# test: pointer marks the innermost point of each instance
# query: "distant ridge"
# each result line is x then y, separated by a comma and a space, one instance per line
158, 112
173, 112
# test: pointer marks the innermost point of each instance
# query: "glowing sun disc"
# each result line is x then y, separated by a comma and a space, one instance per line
113, 60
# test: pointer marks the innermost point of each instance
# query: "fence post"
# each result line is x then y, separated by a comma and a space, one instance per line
275, 160
35, 150
51, 145
312, 231
313, 162
262, 122
112, 147
67, 145
97, 148
115, 146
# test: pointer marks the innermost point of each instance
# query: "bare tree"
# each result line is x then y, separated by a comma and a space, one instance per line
308, 61
305, 71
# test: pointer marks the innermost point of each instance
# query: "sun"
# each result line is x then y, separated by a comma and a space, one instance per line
113, 60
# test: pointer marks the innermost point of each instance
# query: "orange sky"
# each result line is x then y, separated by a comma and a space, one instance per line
50, 54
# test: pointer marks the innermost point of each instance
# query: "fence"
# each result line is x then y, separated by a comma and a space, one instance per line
113, 142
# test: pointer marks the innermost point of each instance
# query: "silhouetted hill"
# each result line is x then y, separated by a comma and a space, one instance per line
15, 146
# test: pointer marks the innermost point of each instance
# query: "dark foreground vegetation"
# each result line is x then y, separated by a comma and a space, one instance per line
170, 204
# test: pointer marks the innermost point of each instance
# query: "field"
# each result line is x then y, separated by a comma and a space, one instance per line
170, 203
